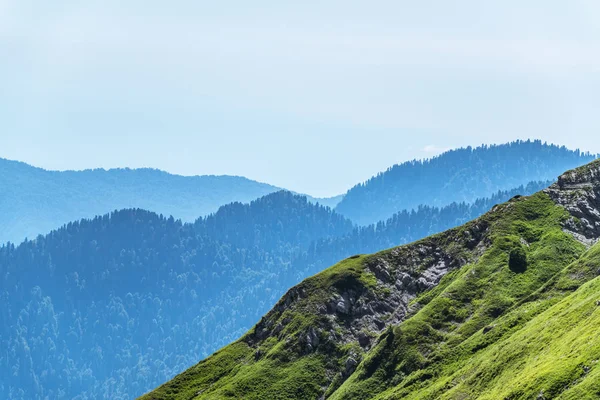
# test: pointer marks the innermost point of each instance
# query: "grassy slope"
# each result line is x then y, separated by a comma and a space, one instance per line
281, 372
552, 353
537, 325
424, 348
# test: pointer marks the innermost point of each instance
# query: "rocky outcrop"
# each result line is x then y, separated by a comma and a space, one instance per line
354, 314
578, 191
355, 310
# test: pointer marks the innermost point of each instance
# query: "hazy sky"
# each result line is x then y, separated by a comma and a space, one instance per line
313, 96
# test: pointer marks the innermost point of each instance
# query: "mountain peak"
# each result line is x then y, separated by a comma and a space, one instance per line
578, 191
460, 175
585, 175
420, 317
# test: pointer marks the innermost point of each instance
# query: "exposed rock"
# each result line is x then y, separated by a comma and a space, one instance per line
344, 303
586, 369
311, 340
578, 191
278, 328
350, 366
432, 275
364, 340
381, 271
342, 306
541, 396
357, 313
314, 337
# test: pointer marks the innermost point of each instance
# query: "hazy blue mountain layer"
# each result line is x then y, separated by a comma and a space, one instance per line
461, 175
35, 201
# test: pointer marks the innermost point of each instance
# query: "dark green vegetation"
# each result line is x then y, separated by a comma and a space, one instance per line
461, 175
517, 259
35, 201
504, 307
114, 306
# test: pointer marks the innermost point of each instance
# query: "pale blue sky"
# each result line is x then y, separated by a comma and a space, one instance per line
313, 96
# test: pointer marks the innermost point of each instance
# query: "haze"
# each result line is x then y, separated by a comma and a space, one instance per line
309, 96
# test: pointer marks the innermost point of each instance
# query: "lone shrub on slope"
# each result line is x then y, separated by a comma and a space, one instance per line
517, 260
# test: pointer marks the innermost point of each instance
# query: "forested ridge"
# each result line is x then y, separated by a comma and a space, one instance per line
112, 306
35, 201
460, 175
503, 307
407, 226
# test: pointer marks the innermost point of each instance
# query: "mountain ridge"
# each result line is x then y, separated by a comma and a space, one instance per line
457, 175
38, 200
433, 306
170, 292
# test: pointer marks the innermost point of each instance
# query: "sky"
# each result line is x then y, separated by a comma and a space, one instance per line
313, 96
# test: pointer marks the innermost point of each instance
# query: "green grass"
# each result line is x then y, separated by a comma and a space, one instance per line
280, 369
547, 346
413, 354
488, 330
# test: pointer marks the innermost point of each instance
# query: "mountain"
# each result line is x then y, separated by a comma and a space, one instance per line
35, 201
409, 225
503, 307
113, 306
461, 175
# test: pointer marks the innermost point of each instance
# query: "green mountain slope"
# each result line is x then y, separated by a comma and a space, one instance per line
505, 306
168, 294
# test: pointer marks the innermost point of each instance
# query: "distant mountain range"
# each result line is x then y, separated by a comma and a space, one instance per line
35, 201
110, 307
113, 306
460, 175
503, 307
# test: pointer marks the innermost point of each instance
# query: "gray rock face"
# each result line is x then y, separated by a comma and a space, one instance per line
350, 366
358, 314
578, 191
311, 340
349, 309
